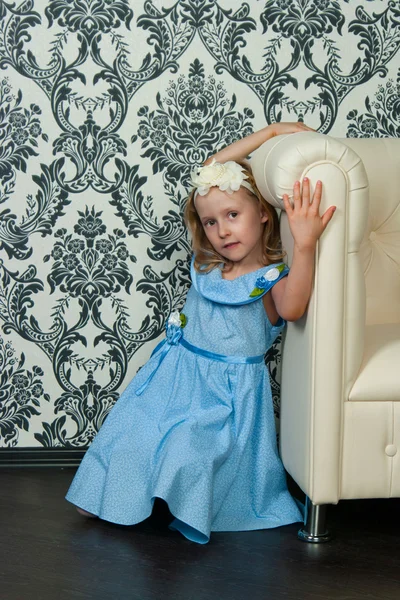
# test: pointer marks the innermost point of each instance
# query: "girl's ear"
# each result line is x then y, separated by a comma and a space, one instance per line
264, 216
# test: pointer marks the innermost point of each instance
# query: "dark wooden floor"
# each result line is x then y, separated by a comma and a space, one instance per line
49, 552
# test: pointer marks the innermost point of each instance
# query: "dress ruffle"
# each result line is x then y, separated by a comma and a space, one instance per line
233, 292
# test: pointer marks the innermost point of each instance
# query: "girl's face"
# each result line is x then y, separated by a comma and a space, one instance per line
233, 224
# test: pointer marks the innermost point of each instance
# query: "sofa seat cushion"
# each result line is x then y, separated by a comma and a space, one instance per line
379, 375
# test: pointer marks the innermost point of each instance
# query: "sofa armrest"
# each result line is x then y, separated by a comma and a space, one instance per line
322, 352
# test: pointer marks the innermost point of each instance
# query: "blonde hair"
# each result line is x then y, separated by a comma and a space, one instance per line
206, 258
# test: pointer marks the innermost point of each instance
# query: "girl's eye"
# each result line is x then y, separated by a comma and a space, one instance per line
209, 223
233, 214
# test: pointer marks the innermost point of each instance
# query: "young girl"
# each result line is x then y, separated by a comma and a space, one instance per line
195, 427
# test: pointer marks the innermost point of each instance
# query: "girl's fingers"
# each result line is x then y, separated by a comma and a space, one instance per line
327, 216
316, 201
300, 126
296, 196
306, 193
286, 203
305, 127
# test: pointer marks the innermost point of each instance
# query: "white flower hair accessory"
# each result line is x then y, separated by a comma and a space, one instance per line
227, 176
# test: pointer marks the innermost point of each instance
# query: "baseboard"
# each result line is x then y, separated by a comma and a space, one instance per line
40, 457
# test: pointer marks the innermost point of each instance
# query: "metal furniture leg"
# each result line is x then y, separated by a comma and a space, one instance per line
314, 530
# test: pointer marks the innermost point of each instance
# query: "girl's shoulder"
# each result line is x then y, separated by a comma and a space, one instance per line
242, 290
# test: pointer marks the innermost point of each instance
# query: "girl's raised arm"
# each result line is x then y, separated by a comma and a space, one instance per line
292, 293
242, 148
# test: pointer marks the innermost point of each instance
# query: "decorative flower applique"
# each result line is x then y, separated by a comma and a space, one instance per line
173, 328
178, 319
176, 322
263, 282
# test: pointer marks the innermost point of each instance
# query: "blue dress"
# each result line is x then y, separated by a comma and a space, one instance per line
196, 426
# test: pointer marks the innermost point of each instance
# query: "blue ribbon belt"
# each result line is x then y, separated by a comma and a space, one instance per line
174, 337
237, 360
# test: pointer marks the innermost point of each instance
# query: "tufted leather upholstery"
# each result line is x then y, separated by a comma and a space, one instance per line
340, 405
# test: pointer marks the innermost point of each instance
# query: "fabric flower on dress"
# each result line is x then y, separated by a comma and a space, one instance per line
227, 176
263, 282
176, 318
175, 323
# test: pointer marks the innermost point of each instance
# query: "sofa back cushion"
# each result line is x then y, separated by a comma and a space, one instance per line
380, 248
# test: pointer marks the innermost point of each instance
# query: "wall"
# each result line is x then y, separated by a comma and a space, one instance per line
105, 106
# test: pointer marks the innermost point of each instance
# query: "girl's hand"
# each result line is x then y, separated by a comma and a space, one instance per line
281, 128
305, 222
245, 146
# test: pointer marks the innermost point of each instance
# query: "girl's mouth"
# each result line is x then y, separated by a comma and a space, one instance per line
232, 245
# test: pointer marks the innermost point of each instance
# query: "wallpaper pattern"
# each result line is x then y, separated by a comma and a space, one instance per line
105, 107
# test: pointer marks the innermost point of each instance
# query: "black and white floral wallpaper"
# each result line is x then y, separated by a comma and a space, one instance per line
105, 107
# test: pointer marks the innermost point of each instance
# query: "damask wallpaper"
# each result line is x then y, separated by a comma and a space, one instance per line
105, 107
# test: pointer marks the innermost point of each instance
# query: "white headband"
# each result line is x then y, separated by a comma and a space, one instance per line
228, 177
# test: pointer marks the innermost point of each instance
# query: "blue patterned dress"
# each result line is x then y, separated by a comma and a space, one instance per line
195, 426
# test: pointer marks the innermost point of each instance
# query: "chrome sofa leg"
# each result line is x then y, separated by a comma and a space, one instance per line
315, 530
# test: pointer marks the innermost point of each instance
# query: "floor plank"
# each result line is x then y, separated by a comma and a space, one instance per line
49, 552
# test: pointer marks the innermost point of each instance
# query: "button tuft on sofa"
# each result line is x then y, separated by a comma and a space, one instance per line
391, 450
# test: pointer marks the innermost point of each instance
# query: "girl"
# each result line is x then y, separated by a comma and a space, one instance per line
195, 427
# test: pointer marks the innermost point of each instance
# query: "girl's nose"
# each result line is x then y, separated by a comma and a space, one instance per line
223, 231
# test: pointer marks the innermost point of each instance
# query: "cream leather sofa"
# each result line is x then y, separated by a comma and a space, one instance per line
340, 403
